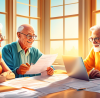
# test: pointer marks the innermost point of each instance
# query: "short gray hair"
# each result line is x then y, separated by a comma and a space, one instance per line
95, 28
20, 28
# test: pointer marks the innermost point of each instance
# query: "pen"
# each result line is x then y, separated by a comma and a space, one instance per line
81, 89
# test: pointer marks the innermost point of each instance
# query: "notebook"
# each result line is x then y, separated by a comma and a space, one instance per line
75, 67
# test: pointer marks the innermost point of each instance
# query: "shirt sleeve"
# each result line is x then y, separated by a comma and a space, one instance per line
89, 62
7, 56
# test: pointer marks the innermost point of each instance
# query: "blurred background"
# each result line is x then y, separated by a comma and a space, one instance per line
62, 26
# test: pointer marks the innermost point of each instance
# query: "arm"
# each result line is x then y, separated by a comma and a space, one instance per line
7, 56
89, 62
6, 72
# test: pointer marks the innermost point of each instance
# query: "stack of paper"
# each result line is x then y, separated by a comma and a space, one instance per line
42, 64
22, 93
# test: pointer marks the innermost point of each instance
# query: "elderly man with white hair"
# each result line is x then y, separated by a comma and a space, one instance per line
92, 62
20, 55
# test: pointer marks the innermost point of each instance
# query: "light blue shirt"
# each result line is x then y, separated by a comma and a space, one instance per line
25, 58
13, 57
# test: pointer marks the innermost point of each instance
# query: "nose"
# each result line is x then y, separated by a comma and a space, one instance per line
94, 42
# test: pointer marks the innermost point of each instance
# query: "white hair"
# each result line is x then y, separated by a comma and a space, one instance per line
95, 28
1, 26
20, 28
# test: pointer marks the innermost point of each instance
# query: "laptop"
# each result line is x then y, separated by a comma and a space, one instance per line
75, 67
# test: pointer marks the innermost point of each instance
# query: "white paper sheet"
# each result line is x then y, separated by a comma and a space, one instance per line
94, 89
51, 79
21, 93
52, 88
23, 82
42, 64
96, 81
81, 84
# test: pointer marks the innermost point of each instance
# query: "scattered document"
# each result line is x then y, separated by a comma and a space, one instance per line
51, 79
21, 93
22, 82
52, 88
96, 81
81, 84
42, 64
94, 89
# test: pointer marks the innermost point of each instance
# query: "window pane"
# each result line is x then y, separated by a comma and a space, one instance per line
71, 27
23, 1
34, 25
71, 47
36, 44
70, 1
2, 5
56, 2
2, 21
98, 19
98, 4
33, 11
21, 21
71, 9
56, 47
22, 9
56, 29
34, 2
57, 11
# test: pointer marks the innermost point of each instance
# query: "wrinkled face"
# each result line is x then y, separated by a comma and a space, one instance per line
96, 38
24, 39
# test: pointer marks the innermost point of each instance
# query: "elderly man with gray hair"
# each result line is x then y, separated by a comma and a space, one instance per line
92, 62
20, 55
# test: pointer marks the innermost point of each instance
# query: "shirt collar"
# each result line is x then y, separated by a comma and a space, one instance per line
19, 48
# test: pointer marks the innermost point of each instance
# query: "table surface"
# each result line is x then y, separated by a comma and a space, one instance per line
70, 93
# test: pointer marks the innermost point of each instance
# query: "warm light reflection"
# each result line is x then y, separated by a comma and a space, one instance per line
36, 44
22, 9
57, 11
98, 19
56, 2
71, 1
34, 24
71, 47
56, 47
56, 29
71, 27
71, 9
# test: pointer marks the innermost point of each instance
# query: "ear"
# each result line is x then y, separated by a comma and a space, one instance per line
18, 34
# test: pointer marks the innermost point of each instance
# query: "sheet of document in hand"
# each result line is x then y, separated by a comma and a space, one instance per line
41, 65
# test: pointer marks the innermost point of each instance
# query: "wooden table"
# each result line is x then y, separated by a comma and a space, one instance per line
72, 93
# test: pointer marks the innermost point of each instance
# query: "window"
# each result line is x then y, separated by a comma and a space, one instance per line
28, 13
3, 16
95, 12
64, 27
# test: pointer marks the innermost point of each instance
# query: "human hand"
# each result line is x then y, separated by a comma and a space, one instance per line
9, 75
2, 78
23, 68
94, 74
50, 71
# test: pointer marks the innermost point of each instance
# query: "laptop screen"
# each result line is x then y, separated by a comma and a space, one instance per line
75, 67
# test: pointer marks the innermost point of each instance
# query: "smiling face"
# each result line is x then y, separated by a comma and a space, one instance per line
96, 34
23, 40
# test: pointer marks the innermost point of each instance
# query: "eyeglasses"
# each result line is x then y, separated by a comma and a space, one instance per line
97, 39
29, 36
2, 37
